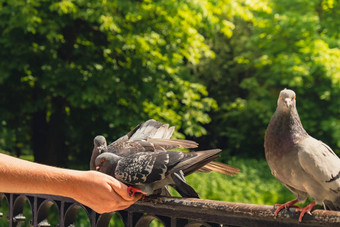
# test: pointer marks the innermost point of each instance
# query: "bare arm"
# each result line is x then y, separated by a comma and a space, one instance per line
96, 190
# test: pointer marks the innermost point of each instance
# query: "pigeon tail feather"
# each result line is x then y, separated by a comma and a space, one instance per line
173, 143
200, 159
220, 168
185, 190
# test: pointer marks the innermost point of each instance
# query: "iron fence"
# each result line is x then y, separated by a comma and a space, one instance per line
169, 211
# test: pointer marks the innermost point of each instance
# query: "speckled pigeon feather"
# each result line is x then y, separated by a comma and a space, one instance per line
151, 171
304, 164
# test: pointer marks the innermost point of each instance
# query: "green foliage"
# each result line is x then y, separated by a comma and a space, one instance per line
274, 45
82, 68
211, 68
4, 210
116, 221
82, 220
254, 184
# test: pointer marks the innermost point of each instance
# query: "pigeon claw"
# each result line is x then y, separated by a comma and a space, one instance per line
284, 206
132, 191
307, 209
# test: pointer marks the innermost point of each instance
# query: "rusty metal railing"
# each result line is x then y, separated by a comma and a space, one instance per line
170, 211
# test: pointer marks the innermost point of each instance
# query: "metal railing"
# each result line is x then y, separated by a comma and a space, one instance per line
170, 211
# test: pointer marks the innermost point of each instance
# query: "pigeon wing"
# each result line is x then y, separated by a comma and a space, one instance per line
142, 168
319, 161
149, 136
140, 132
147, 129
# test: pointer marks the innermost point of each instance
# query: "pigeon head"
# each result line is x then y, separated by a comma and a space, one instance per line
100, 143
287, 100
106, 162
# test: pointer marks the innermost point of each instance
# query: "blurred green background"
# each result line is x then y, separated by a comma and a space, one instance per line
73, 69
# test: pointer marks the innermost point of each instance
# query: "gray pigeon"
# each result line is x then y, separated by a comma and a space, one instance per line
100, 146
154, 136
306, 166
148, 136
147, 172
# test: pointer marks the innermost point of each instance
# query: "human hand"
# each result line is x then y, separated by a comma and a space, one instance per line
101, 192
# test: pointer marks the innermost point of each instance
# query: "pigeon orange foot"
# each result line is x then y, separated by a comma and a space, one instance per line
307, 209
284, 206
132, 191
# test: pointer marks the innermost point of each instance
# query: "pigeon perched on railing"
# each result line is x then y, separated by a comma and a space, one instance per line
99, 147
154, 136
306, 166
147, 172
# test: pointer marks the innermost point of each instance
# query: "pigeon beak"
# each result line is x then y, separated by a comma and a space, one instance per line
288, 102
101, 149
98, 168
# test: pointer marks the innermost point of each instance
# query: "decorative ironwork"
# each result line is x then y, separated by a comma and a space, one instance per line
170, 211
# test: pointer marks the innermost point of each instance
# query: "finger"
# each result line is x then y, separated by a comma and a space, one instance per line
111, 203
122, 190
123, 204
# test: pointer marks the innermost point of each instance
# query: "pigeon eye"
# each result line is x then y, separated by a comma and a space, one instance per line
102, 160
294, 97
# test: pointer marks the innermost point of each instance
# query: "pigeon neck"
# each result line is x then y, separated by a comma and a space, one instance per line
289, 122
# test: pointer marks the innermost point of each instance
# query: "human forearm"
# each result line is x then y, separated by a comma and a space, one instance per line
20, 176
96, 190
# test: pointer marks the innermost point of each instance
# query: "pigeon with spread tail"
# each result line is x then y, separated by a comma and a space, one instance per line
148, 172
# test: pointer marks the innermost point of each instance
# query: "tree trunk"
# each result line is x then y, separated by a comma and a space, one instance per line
49, 136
